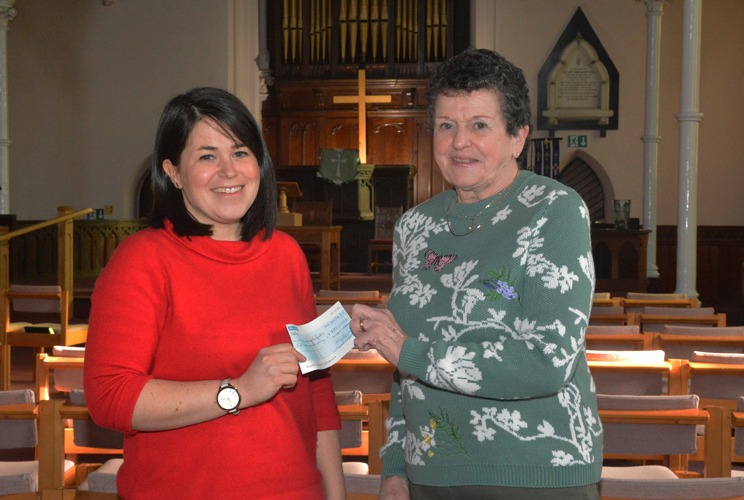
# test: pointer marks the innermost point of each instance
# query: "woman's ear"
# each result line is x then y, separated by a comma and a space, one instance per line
172, 172
519, 140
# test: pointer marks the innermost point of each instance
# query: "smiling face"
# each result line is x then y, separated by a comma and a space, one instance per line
218, 177
471, 146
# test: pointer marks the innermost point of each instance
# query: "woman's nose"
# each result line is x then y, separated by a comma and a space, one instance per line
227, 168
461, 138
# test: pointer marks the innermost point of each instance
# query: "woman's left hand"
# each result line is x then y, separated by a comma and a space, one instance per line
376, 328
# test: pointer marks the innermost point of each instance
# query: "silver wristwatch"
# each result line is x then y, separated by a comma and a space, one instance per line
228, 397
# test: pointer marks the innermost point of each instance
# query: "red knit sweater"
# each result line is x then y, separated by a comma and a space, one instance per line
197, 309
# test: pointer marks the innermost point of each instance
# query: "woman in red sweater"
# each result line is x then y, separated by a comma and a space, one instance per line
188, 353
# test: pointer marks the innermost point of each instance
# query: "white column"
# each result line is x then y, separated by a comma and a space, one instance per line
651, 138
689, 119
243, 76
7, 13
263, 51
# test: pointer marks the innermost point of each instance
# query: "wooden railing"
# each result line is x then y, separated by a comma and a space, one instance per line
94, 241
64, 248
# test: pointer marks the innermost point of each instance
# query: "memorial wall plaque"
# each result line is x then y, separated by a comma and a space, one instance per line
578, 84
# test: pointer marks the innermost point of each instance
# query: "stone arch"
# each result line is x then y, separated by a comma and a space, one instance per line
585, 175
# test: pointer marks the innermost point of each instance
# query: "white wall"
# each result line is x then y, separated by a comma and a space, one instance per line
526, 31
87, 83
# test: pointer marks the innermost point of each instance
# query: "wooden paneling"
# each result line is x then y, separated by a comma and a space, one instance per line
397, 132
389, 138
720, 254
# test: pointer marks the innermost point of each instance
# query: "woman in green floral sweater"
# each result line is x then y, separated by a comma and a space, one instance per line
486, 321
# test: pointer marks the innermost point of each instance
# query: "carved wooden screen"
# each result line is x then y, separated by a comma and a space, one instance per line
327, 39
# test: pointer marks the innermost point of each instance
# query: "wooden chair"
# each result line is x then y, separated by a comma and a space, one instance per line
656, 296
365, 371
737, 450
368, 297
314, 213
375, 411
41, 336
617, 337
637, 305
66, 362
351, 435
91, 481
653, 319
614, 315
681, 341
634, 373
661, 430
635, 300
718, 379
19, 430
83, 438
721, 488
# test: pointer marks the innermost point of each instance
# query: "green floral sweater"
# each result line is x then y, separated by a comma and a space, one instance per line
492, 386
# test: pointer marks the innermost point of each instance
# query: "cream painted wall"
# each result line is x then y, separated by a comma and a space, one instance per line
526, 31
87, 83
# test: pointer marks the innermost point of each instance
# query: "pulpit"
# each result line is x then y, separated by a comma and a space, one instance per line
389, 186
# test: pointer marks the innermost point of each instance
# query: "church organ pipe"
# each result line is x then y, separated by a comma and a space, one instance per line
429, 23
314, 29
320, 36
443, 28
374, 21
410, 27
398, 29
343, 29
352, 14
285, 28
384, 20
292, 27
364, 30
363, 27
328, 17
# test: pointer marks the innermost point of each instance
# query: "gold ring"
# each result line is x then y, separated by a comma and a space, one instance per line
361, 325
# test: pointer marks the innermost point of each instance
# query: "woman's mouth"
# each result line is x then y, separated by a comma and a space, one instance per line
228, 190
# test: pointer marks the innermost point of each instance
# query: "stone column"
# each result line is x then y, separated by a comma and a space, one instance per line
7, 13
262, 61
689, 119
651, 138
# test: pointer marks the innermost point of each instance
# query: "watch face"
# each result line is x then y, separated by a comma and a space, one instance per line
228, 398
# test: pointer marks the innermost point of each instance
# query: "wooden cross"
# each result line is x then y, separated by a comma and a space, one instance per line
362, 99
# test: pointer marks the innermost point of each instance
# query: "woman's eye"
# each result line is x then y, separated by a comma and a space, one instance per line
242, 153
480, 125
206, 157
444, 126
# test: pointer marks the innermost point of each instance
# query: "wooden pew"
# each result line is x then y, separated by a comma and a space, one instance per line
650, 322
52, 484
711, 418
638, 377
374, 412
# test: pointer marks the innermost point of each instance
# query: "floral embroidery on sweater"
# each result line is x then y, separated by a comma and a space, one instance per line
456, 367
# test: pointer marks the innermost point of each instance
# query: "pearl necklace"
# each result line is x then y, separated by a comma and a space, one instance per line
504, 194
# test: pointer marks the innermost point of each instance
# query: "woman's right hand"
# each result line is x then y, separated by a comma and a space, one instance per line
275, 368
394, 488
